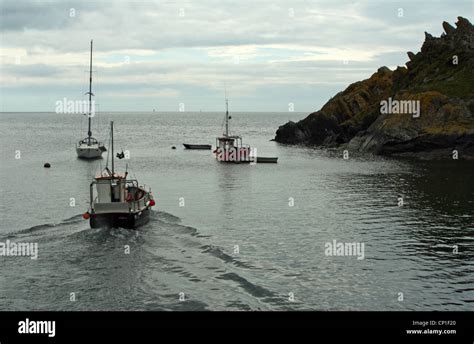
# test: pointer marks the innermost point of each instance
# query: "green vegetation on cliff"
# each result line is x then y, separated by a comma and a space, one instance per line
440, 77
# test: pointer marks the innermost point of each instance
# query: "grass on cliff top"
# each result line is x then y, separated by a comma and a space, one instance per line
442, 76
460, 87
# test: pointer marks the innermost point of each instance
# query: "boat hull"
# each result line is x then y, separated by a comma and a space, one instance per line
191, 146
260, 160
267, 160
122, 220
89, 153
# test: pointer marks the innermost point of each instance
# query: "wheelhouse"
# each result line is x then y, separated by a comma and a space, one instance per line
231, 149
117, 194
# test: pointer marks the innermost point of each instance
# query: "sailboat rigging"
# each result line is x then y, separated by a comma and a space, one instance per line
89, 147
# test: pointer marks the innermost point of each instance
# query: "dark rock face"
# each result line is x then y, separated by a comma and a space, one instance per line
290, 133
340, 118
448, 28
440, 78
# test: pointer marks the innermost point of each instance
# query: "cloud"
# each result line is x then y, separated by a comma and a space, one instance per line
172, 50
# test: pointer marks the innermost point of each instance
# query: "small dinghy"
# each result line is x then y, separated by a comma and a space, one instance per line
116, 200
192, 146
266, 160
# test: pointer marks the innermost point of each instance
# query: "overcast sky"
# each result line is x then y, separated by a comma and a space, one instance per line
157, 54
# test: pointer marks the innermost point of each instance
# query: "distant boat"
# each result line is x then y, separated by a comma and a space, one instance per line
90, 148
267, 160
229, 148
191, 146
116, 201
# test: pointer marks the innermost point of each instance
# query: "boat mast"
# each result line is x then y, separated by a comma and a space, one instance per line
89, 132
226, 117
112, 138
226, 114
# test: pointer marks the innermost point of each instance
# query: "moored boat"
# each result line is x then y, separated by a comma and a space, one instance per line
89, 147
196, 146
267, 160
229, 148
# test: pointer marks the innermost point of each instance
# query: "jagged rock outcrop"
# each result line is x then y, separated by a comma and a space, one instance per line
439, 79
340, 118
448, 28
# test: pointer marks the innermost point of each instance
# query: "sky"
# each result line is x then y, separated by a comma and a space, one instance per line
275, 55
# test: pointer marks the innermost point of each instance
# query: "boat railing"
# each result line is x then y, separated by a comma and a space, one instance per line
92, 141
139, 204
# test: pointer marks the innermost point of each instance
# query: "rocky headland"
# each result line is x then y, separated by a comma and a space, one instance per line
423, 110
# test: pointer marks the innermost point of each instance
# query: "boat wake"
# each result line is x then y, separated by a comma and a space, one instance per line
153, 268
43, 227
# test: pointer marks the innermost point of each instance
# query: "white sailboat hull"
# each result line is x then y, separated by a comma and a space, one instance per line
89, 152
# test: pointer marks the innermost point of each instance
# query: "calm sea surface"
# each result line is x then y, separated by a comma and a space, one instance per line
246, 237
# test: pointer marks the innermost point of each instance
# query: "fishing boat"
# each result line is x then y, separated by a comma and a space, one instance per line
229, 148
89, 147
196, 146
116, 200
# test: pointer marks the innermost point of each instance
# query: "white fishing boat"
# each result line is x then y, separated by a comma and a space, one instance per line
89, 147
116, 200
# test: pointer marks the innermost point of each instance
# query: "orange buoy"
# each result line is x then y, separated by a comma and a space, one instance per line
86, 215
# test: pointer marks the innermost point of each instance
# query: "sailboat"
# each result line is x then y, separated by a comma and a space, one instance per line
89, 147
116, 200
229, 148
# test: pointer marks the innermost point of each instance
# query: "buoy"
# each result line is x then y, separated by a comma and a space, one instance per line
173, 147
152, 202
86, 215
47, 165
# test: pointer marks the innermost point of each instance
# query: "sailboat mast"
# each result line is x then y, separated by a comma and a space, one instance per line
89, 132
112, 139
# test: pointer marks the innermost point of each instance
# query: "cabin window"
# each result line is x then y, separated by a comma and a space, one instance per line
115, 192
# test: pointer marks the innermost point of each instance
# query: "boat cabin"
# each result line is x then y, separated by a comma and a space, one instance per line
117, 193
90, 142
231, 149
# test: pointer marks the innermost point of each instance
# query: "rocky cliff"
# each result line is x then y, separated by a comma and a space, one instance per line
438, 81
